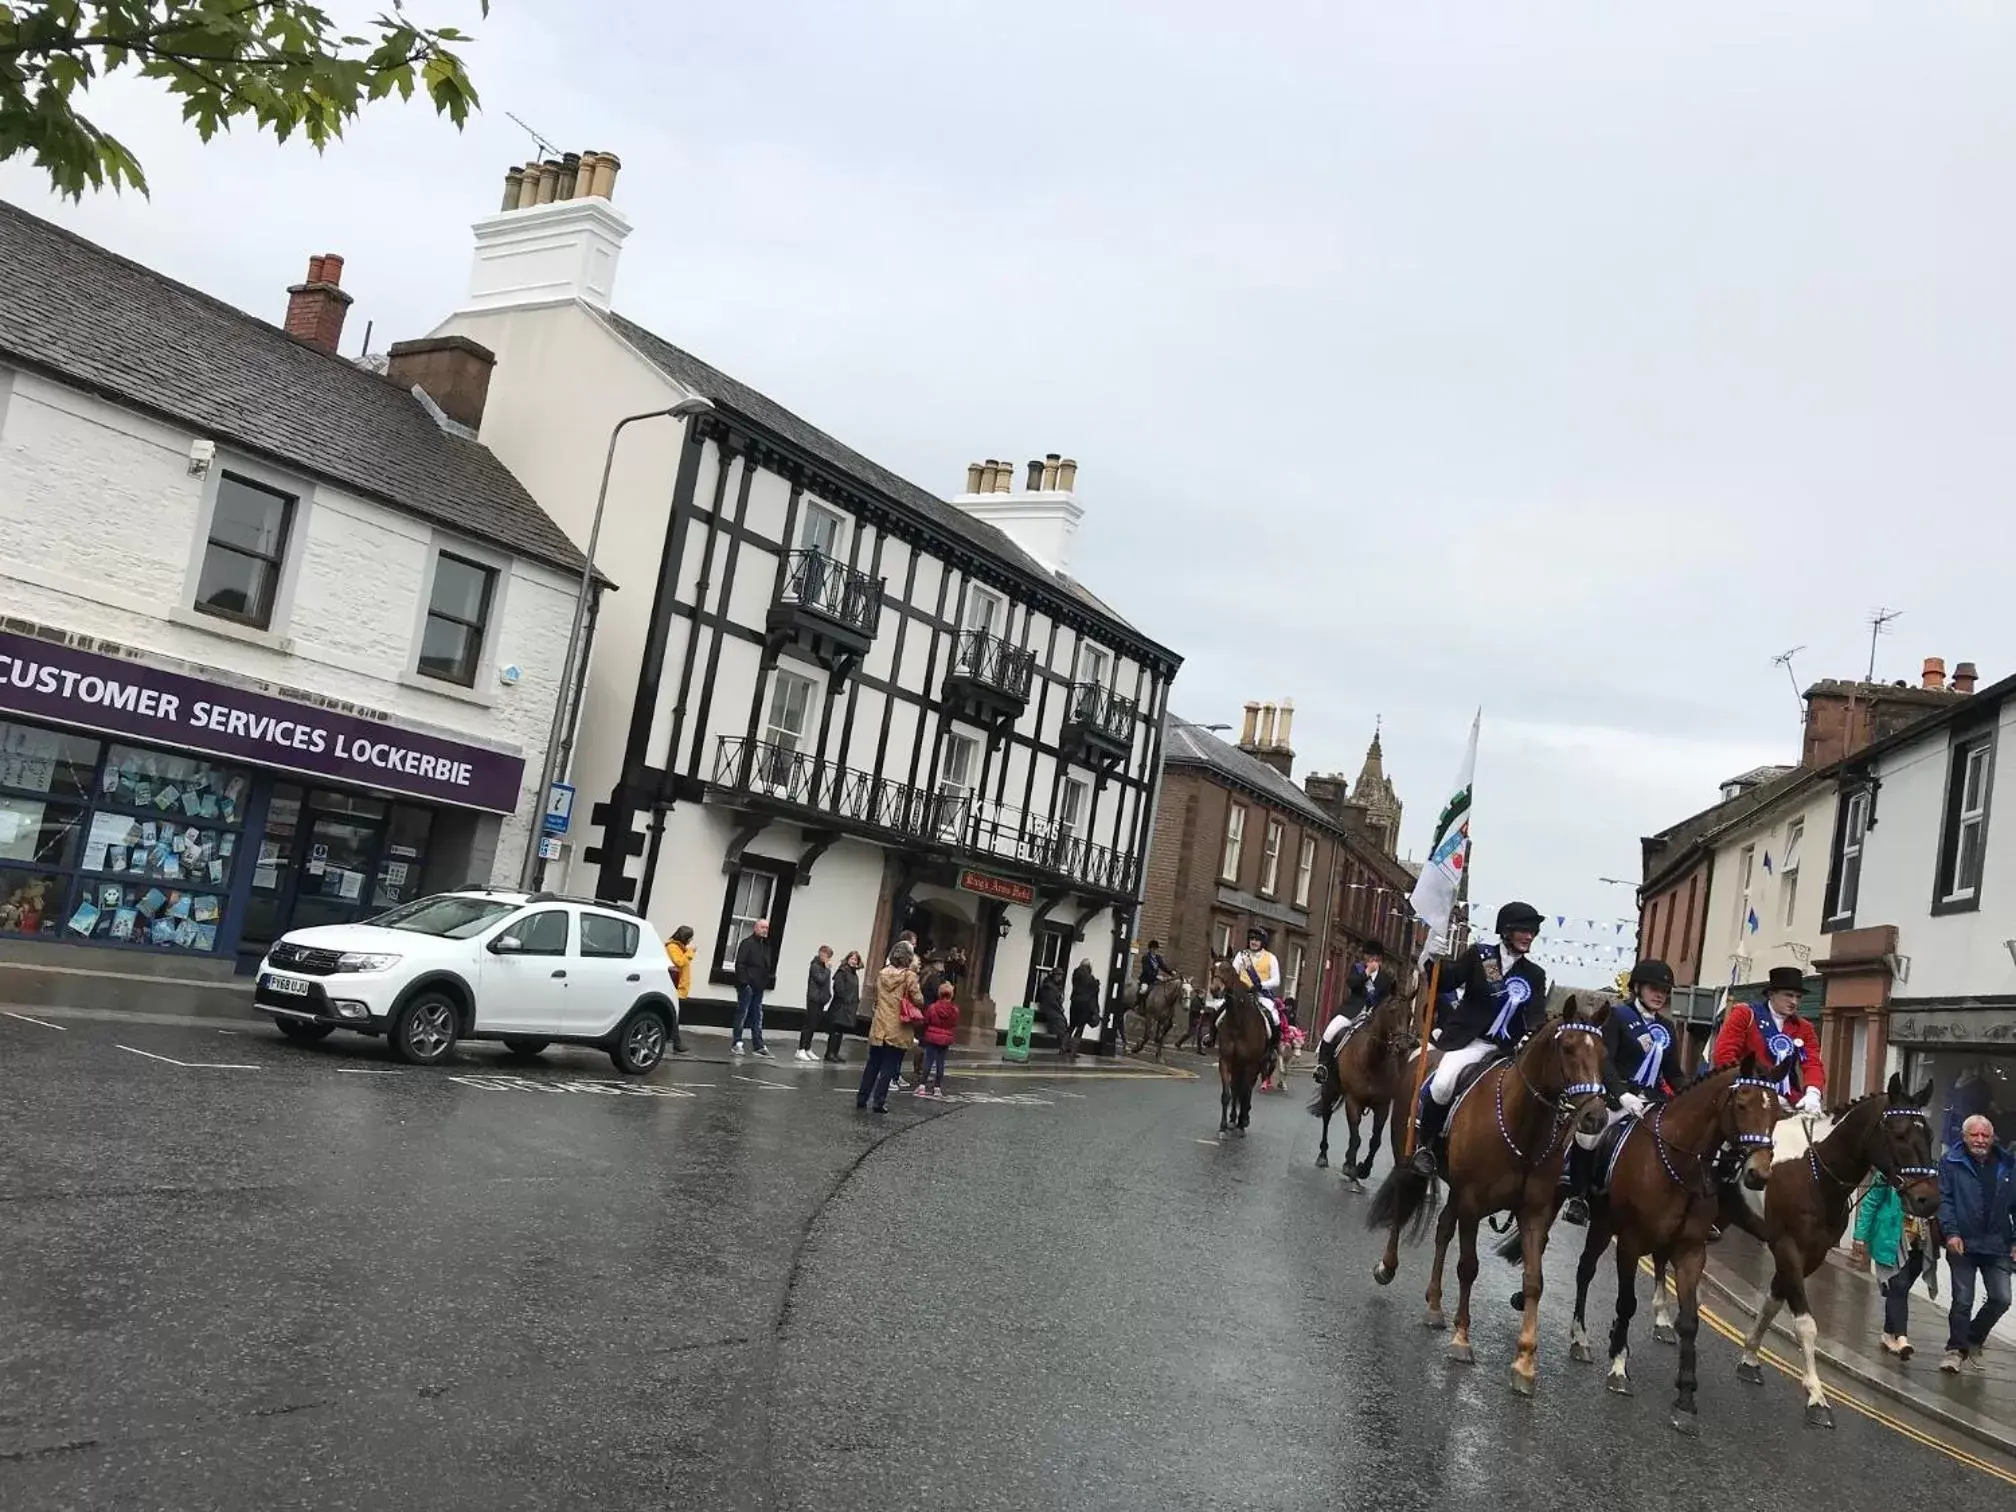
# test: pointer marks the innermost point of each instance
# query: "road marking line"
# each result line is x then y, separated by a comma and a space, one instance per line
369, 1071
1740, 1336
185, 1065
43, 1022
1211, 1142
777, 1086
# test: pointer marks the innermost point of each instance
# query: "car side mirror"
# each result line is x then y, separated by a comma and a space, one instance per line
508, 944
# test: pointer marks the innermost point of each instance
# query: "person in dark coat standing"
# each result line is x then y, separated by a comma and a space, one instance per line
845, 1008
1084, 1002
754, 966
818, 993
1977, 1214
1050, 1008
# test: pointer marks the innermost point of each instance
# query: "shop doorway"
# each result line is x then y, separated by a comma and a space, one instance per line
331, 857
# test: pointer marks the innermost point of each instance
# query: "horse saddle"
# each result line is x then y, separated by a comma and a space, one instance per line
1603, 1159
1466, 1079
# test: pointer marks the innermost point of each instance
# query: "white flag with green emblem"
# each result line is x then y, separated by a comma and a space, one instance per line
1434, 898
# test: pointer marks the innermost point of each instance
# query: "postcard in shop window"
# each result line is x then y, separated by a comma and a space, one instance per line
206, 936
123, 922
227, 844
171, 866
150, 905
168, 797
192, 803
204, 910
178, 906
86, 916
163, 931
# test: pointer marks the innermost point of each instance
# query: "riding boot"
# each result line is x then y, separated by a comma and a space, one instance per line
1575, 1176
1326, 1062
1427, 1130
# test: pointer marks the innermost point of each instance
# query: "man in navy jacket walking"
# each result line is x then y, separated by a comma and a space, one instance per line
1977, 1214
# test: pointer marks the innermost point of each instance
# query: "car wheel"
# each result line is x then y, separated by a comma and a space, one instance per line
302, 1031
426, 1029
519, 1044
640, 1042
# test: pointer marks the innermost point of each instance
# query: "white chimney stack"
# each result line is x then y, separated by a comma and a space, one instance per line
1042, 520
547, 253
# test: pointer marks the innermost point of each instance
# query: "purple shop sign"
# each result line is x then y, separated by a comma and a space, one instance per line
122, 697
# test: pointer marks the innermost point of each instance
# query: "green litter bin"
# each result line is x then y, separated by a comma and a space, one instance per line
1021, 1024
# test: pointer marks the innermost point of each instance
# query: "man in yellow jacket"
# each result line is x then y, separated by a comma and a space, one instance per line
680, 952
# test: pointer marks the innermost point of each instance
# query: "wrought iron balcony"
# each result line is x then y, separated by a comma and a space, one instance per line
1099, 723
989, 676
828, 601
824, 795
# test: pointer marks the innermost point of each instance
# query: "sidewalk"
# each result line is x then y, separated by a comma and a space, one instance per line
710, 1043
1980, 1401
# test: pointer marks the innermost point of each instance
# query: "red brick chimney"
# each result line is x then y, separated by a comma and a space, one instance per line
315, 309
453, 371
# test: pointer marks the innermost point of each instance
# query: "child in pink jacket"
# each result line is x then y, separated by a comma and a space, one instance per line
941, 1027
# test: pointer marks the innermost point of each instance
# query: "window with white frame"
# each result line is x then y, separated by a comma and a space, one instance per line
784, 734
957, 770
1966, 829
1305, 871
1291, 986
821, 530
1221, 941
1270, 858
749, 899
1093, 664
1848, 856
986, 614
246, 555
1788, 871
1073, 802
1235, 842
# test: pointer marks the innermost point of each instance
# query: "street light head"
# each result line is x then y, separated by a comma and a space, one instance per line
686, 409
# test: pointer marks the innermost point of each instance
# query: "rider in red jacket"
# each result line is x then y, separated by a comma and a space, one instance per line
1771, 1030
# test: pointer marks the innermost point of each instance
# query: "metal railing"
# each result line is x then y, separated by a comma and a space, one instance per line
952, 818
991, 661
1094, 708
815, 581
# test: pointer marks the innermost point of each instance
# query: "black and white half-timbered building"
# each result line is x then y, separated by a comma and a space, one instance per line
825, 697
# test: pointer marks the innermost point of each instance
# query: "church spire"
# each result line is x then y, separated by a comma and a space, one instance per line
1374, 769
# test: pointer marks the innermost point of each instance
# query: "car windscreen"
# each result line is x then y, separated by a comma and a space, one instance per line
450, 917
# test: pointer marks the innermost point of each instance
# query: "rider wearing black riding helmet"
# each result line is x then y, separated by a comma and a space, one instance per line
1502, 998
1369, 984
1640, 1061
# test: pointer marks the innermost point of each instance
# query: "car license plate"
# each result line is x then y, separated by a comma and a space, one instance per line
291, 986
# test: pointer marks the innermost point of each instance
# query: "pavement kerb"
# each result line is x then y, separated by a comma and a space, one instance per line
1872, 1374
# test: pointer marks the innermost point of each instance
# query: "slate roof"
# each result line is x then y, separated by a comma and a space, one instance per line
690, 373
1186, 744
73, 310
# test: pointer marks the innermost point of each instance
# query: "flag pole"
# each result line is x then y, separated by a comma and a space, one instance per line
1421, 1059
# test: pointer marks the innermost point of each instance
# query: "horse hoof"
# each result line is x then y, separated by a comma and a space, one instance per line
1434, 1320
1582, 1354
1747, 1371
1665, 1333
1363, 1171
1322, 1161
1819, 1415
1522, 1385
1686, 1424
1461, 1354
1383, 1273
1352, 1183
1618, 1385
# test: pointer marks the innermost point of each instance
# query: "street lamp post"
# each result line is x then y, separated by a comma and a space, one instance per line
533, 868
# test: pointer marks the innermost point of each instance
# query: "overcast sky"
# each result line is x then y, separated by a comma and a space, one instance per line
1567, 359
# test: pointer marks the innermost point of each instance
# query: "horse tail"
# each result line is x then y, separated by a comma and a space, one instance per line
1404, 1197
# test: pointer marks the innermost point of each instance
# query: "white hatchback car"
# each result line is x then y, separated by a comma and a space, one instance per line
530, 969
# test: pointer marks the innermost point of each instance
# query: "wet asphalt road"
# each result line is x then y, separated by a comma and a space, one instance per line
328, 1283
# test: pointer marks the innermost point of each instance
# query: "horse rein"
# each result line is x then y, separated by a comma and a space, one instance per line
1661, 1144
1561, 1103
1922, 1173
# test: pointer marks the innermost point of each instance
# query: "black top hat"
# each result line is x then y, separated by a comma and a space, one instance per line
1786, 979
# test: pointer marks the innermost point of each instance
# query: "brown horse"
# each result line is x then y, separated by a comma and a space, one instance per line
1506, 1143
1806, 1206
1158, 1011
1370, 1075
1242, 1047
1662, 1202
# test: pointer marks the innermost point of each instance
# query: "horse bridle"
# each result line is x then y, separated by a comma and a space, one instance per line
1661, 1144
1563, 1104
1894, 1174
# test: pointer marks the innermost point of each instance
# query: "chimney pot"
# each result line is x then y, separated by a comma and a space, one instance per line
606, 166
512, 180
570, 168
549, 181
1287, 722
1934, 672
1035, 474
316, 307
1266, 741
584, 175
1252, 720
453, 371
1067, 475
1050, 471
973, 472
1964, 677
1004, 480
987, 471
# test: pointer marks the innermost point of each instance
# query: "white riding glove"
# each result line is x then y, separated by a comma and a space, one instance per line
1631, 1103
1809, 1101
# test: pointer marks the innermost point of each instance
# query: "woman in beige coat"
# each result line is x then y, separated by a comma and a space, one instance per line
888, 1036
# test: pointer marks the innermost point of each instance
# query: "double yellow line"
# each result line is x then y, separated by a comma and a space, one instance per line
1737, 1336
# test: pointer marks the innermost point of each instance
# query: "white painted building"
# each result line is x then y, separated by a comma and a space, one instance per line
1920, 903
279, 644
829, 698
1767, 879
